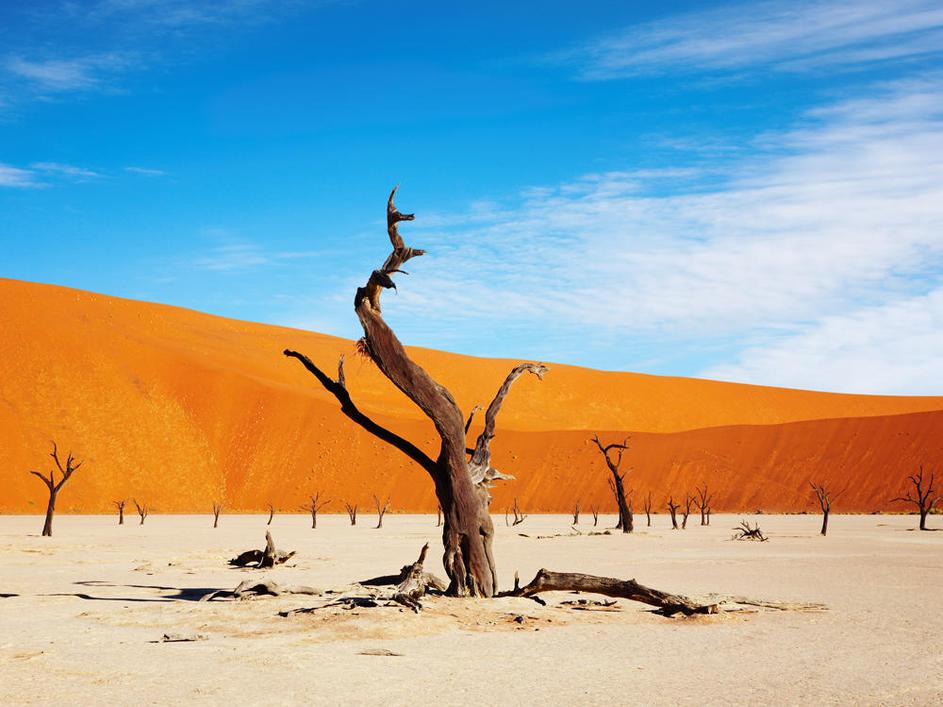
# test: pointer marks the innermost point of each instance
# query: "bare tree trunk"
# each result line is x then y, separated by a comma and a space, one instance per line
576, 513
351, 513
142, 510
271, 513
673, 510
923, 497
382, 508
688, 502
595, 512
120, 506
703, 502
438, 516
461, 483
217, 508
648, 510
518, 516
616, 480
65, 471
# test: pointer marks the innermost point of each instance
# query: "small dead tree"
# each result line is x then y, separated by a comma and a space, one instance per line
438, 516
595, 511
54, 486
382, 508
688, 504
271, 513
673, 510
576, 513
612, 453
119, 505
703, 504
922, 496
745, 531
518, 516
825, 500
648, 510
351, 512
142, 510
314, 506
261, 559
217, 509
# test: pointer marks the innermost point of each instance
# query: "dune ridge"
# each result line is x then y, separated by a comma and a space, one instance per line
181, 408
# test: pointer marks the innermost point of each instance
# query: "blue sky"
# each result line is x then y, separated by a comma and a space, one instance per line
750, 192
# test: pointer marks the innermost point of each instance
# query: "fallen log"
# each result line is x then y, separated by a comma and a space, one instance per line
260, 559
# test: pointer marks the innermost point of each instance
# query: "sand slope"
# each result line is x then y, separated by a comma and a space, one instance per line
180, 408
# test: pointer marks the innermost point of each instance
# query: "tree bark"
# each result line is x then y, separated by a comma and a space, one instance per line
616, 481
461, 483
50, 511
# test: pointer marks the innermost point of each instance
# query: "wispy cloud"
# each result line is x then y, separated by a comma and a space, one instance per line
17, 178
65, 170
65, 75
146, 171
841, 213
231, 257
780, 34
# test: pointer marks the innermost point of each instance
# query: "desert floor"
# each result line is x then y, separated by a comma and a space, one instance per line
89, 608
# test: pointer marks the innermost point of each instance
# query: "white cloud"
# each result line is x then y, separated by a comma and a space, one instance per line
244, 256
894, 348
65, 170
843, 212
16, 177
778, 33
64, 75
146, 171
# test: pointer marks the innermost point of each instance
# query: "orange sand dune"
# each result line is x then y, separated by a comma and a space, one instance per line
179, 408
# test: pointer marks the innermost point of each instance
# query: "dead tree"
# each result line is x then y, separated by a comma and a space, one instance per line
576, 513
518, 516
703, 504
382, 508
922, 497
461, 479
217, 509
120, 506
745, 532
595, 512
56, 486
142, 510
267, 557
314, 506
438, 516
351, 512
673, 510
688, 503
271, 513
825, 501
612, 453
648, 510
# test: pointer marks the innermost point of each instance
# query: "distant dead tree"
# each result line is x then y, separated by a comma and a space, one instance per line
142, 510
673, 510
922, 496
382, 508
217, 509
576, 513
688, 503
438, 516
595, 512
825, 501
745, 532
703, 504
648, 510
518, 516
56, 486
612, 453
120, 506
351, 512
314, 506
271, 513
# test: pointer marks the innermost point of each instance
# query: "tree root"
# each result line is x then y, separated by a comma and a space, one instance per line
745, 532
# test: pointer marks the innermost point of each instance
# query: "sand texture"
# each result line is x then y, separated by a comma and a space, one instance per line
91, 606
